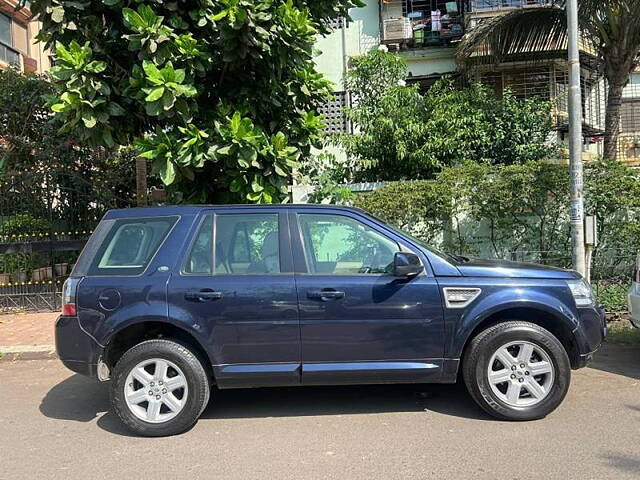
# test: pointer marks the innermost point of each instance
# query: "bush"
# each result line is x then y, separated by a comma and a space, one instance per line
518, 212
612, 294
25, 224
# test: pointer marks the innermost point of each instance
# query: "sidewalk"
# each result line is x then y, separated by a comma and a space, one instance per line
27, 336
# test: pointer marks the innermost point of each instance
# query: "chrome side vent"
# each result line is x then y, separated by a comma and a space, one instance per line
455, 297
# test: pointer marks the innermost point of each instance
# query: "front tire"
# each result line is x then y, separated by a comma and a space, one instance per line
517, 371
159, 388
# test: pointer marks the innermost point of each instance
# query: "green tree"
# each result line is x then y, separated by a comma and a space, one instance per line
404, 134
47, 174
221, 95
611, 27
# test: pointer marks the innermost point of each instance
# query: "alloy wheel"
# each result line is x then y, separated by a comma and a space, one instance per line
156, 390
521, 374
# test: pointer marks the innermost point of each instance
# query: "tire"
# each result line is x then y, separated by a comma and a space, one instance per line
140, 398
548, 366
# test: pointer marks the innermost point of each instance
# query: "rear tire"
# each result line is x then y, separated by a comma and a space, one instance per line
517, 371
159, 388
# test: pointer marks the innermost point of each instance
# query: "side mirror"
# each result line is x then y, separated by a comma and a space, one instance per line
407, 265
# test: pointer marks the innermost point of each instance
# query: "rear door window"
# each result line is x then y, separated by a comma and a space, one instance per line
247, 244
124, 246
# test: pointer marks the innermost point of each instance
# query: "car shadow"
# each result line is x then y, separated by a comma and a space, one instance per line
618, 359
342, 400
82, 399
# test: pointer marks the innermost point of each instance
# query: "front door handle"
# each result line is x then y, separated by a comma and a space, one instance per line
325, 294
204, 295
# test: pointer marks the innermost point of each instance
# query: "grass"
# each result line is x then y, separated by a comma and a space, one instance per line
621, 331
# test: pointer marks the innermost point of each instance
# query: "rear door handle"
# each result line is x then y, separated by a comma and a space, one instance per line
325, 294
204, 295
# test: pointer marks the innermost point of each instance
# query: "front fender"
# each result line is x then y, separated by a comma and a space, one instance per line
495, 301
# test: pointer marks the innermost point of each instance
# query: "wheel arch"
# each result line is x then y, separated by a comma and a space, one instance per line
134, 333
556, 324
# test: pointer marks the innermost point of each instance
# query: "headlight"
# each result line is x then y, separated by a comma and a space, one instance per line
581, 292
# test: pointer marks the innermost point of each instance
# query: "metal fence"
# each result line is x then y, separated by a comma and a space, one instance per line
47, 212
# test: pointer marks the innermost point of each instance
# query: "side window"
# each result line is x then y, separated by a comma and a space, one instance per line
200, 259
129, 245
339, 245
247, 244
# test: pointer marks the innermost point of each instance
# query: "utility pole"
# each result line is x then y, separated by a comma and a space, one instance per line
575, 141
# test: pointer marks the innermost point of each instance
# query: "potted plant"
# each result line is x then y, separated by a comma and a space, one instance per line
61, 269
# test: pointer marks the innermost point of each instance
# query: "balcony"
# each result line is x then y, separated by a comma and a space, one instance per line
418, 24
492, 5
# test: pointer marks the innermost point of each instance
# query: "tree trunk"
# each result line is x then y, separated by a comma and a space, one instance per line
141, 181
612, 118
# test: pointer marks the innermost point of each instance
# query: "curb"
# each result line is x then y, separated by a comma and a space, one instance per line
27, 352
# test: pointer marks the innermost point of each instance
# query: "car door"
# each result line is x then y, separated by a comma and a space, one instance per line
245, 302
359, 323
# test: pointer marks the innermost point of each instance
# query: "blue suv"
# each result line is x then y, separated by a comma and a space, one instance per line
168, 301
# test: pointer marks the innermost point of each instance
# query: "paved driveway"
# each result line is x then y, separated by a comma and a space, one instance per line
54, 424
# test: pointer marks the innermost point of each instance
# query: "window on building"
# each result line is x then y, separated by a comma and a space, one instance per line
630, 116
12, 35
529, 83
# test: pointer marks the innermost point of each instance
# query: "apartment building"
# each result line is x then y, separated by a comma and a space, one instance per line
426, 32
17, 39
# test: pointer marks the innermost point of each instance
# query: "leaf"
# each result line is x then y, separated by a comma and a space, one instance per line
115, 109
236, 185
89, 120
167, 172
249, 154
57, 13
155, 94
152, 71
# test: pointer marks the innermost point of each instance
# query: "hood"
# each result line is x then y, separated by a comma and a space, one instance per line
507, 269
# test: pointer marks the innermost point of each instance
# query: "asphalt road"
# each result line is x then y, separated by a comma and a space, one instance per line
54, 424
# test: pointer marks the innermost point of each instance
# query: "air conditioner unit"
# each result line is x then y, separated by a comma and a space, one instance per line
397, 29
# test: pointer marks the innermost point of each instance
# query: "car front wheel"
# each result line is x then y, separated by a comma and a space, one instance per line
159, 388
517, 371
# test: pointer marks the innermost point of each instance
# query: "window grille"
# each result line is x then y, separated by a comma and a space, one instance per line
334, 115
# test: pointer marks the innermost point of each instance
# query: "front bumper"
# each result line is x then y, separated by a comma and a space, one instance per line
589, 335
77, 350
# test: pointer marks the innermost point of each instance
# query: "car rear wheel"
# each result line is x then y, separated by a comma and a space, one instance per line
517, 371
159, 388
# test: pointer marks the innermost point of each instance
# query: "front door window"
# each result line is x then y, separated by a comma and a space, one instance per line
339, 245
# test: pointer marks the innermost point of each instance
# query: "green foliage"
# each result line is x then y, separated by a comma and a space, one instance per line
404, 134
221, 96
612, 294
518, 212
44, 173
24, 224
327, 175
519, 207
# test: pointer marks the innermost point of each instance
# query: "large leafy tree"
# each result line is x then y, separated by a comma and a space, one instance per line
220, 95
611, 27
402, 133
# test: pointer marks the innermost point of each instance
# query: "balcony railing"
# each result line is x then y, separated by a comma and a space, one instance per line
422, 23
488, 5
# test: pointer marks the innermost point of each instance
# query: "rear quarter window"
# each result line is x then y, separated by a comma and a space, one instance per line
124, 246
